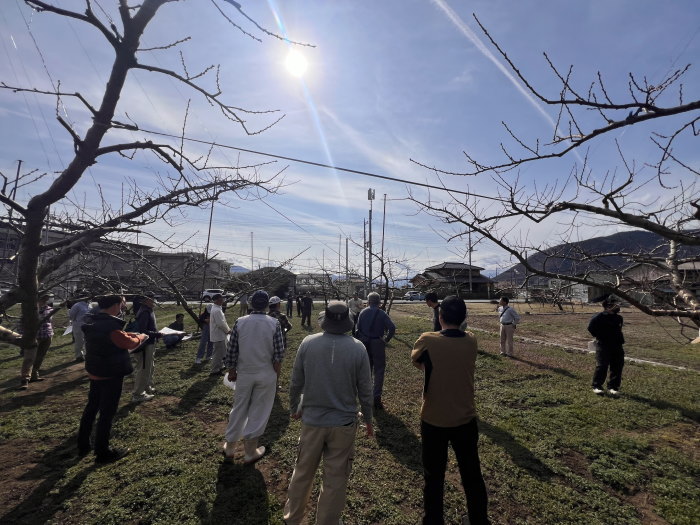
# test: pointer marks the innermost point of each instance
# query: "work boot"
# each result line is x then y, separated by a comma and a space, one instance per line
23, 384
252, 452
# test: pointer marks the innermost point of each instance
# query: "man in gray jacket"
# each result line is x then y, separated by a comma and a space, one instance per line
331, 371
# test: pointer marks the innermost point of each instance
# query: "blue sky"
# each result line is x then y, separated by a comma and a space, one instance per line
386, 82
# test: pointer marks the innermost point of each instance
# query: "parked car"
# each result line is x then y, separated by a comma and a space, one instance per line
211, 292
414, 295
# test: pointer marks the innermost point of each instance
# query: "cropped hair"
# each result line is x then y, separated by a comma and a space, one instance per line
453, 310
432, 297
505, 299
106, 301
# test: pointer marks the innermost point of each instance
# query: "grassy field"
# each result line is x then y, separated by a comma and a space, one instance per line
551, 451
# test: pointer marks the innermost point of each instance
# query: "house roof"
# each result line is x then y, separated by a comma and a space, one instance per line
453, 266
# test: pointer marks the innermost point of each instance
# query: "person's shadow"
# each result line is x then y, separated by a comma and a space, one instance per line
665, 405
46, 499
521, 456
241, 497
394, 436
541, 366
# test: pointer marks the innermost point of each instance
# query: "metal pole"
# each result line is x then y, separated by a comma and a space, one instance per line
206, 254
251, 252
347, 271
470, 263
364, 256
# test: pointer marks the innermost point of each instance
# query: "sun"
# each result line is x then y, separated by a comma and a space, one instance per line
296, 63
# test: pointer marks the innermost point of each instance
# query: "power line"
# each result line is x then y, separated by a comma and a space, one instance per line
319, 164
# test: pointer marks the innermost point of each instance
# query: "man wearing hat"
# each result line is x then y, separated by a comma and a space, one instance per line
331, 371
77, 314
606, 327
375, 329
275, 312
218, 330
144, 360
253, 357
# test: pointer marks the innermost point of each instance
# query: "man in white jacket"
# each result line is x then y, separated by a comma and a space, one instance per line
218, 330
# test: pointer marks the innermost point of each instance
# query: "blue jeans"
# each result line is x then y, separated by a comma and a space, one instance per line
464, 439
205, 344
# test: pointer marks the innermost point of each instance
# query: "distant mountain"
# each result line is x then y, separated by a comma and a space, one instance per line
576, 258
238, 269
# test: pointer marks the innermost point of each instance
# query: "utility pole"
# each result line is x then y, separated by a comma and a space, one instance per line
347, 271
381, 263
251, 252
370, 197
470, 263
364, 255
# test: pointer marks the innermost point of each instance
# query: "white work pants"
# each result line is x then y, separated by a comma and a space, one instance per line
252, 404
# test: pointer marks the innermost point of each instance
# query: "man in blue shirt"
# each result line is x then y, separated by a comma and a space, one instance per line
375, 329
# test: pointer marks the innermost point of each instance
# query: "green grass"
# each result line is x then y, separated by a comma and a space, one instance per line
551, 451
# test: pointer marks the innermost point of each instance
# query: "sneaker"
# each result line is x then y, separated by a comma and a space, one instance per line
112, 455
198, 361
613, 392
150, 390
142, 397
598, 391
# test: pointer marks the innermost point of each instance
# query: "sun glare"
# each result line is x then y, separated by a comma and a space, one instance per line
296, 63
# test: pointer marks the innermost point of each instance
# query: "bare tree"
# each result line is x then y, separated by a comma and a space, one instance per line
581, 198
190, 180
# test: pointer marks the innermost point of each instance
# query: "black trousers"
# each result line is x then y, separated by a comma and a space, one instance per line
613, 358
464, 441
103, 398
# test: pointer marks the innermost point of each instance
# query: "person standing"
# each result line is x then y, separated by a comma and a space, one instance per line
253, 357
290, 304
274, 311
34, 357
107, 361
508, 319
243, 308
145, 359
77, 316
331, 372
431, 299
606, 327
205, 348
307, 305
218, 330
355, 305
298, 300
375, 329
448, 413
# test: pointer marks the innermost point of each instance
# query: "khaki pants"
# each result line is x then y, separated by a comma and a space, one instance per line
507, 331
33, 358
336, 445
217, 359
79, 342
143, 370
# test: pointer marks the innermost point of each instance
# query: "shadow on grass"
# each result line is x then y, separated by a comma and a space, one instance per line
520, 455
196, 393
46, 499
665, 405
278, 423
540, 366
31, 399
399, 440
241, 497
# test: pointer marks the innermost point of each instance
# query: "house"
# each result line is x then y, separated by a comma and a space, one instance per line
454, 278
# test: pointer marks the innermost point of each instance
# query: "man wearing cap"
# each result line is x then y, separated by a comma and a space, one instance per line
76, 314
448, 413
331, 371
355, 307
606, 327
307, 304
144, 360
106, 362
253, 357
275, 312
375, 329
218, 330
